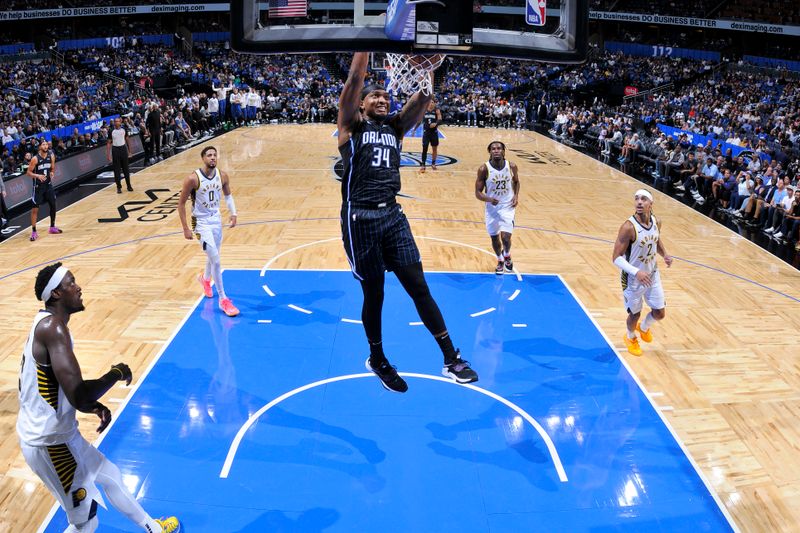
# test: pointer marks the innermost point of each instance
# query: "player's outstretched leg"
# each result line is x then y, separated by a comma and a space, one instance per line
371, 311
413, 281
110, 479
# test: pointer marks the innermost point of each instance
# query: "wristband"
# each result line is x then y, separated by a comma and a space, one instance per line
230, 204
623, 265
121, 375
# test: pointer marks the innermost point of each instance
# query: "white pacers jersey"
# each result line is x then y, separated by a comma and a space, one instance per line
641, 252
45, 415
499, 184
205, 199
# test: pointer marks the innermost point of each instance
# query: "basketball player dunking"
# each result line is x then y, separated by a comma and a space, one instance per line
638, 242
51, 389
430, 134
205, 186
498, 186
375, 232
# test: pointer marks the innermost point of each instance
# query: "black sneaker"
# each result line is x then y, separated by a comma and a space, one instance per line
460, 371
499, 269
388, 375
508, 264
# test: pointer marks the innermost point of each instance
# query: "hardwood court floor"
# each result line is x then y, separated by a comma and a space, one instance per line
722, 366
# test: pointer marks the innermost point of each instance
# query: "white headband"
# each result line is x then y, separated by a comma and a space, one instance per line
643, 192
55, 281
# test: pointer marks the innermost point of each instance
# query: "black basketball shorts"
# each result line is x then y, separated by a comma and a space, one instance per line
431, 138
377, 240
43, 193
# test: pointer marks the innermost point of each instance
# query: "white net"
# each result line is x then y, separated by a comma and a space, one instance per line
408, 74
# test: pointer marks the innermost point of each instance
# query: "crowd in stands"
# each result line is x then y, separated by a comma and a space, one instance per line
239, 90
775, 12
675, 39
758, 113
44, 96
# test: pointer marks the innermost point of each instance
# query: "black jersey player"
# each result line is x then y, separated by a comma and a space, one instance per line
430, 134
375, 232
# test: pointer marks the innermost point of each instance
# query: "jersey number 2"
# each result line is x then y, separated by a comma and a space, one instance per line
380, 157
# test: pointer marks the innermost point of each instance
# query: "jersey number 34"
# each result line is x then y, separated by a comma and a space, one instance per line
380, 156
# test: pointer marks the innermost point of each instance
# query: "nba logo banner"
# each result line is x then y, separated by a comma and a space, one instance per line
535, 11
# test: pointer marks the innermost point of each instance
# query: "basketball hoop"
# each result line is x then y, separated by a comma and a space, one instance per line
408, 74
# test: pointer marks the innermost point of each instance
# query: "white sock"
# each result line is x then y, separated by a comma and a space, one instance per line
631, 334
647, 322
500, 257
507, 255
216, 275
151, 526
110, 479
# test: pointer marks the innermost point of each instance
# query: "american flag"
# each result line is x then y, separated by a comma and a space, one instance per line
288, 8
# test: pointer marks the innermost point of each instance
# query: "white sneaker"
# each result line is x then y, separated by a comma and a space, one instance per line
777, 235
769, 230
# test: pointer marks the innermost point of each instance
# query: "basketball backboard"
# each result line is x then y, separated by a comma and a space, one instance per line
498, 28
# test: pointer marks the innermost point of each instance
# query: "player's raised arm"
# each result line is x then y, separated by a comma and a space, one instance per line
412, 112
350, 99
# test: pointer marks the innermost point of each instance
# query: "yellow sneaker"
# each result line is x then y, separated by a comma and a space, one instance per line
633, 345
647, 336
169, 524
